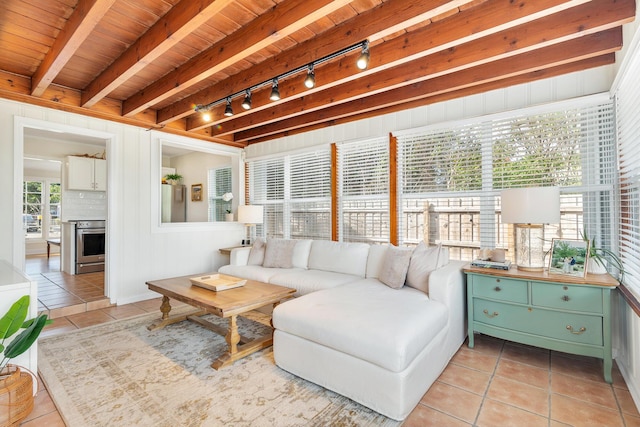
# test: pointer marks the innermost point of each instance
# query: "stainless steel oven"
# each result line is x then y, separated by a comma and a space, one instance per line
90, 244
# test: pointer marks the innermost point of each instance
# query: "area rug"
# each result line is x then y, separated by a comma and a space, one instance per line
121, 374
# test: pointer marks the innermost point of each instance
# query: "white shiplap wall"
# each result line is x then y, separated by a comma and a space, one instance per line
138, 250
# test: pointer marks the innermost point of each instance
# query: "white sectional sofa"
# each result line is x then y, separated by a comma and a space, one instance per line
349, 330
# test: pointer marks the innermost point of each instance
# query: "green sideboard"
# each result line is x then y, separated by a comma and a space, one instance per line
564, 313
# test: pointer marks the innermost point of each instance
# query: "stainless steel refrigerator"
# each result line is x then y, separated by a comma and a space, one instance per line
174, 203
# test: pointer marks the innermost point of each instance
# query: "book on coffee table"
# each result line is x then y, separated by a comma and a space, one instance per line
217, 282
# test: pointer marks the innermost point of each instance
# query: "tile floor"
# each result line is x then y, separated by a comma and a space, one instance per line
61, 294
497, 383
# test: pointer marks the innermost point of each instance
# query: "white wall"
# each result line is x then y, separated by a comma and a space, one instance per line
138, 250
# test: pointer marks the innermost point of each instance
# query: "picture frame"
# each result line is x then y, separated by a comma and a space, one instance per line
569, 257
196, 192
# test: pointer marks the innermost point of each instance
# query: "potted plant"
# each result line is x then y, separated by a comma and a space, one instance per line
600, 258
16, 386
173, 178
228, 197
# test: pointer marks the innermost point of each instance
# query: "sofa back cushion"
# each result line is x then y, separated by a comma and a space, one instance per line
395, 265
301, 254
339, 257
424, 260
375, 259
279, 253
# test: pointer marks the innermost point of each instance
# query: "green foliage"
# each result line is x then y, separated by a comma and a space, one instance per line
174, 176
12, 322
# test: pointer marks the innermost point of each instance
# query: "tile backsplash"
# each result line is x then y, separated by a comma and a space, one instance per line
83, 205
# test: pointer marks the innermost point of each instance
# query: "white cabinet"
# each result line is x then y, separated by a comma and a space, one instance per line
13, 285
88, 174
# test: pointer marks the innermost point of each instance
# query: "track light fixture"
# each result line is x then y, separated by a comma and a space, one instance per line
246, 104
363, 59
275, 93
228, 111
310, 81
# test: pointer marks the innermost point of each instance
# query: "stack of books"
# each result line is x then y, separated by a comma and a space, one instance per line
491, 264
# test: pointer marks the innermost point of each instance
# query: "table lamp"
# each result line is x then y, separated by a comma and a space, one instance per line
250, 215
529, 209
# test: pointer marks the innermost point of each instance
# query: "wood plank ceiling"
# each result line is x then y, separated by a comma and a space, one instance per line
151, 62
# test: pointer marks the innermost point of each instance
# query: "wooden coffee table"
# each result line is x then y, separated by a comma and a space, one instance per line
224, 304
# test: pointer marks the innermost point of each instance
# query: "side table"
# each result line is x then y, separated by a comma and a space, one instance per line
558, 312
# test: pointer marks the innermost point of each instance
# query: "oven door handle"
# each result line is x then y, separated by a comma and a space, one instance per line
91, 231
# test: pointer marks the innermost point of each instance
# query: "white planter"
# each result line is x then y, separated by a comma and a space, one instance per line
595, 267
228, 217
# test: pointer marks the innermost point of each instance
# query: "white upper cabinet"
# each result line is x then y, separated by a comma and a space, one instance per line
87, 174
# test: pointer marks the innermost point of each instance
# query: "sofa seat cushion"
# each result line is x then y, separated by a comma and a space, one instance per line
366, 319
253, 272
306, 281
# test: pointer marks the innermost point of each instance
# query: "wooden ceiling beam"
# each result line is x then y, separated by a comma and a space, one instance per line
169, 30
382, 21
552, 56
282, 20
524, 38
81, 23
545, 73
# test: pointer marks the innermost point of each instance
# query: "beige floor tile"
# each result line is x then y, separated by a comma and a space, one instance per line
496, 414
58, 326
631, 421
618, 379
533, 356
579, 413
522, 372
453, 401
90, 318
586, 368
586, 390
627, 405
151, 304
423, 416
487, 345
42, 405
475, 359
55, 313
123, 311
51, 419
521, 395
465, 378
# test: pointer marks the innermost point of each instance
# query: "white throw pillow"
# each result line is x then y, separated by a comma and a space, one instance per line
279, 253
256, 255
424, 260
394, 268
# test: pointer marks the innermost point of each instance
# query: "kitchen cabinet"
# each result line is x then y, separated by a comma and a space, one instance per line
13, 285
558, 312
84, 173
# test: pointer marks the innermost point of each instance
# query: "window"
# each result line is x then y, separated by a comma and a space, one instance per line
295, 191
450, 179
41, 209
627, 107
219, 183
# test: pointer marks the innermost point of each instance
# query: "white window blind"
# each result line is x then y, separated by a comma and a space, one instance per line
628, 126
363, 191
450, 179
219, 183
296, 193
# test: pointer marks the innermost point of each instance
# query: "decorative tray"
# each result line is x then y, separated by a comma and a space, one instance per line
217, 282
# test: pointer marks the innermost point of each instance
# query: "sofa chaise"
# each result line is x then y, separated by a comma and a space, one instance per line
355, 327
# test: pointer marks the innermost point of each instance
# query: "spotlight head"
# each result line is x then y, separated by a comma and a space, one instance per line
275, 93
310, 80
246, 103
228, 111
363, 60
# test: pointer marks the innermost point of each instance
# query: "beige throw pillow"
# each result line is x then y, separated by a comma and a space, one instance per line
394, 267
424, 260
279, 253
256, 256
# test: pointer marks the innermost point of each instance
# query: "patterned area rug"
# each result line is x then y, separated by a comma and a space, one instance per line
121, 374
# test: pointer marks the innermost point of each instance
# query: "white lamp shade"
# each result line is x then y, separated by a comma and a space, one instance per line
539, 205
250, 214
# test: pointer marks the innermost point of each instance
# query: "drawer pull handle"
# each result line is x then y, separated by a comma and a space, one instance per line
578, 332
497, 289
490, 316
565, 298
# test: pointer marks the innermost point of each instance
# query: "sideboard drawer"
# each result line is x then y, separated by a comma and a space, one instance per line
566, 297
499, 288
569, 327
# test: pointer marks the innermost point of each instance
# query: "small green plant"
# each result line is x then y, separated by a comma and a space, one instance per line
11, 323
173, 177
603, 256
